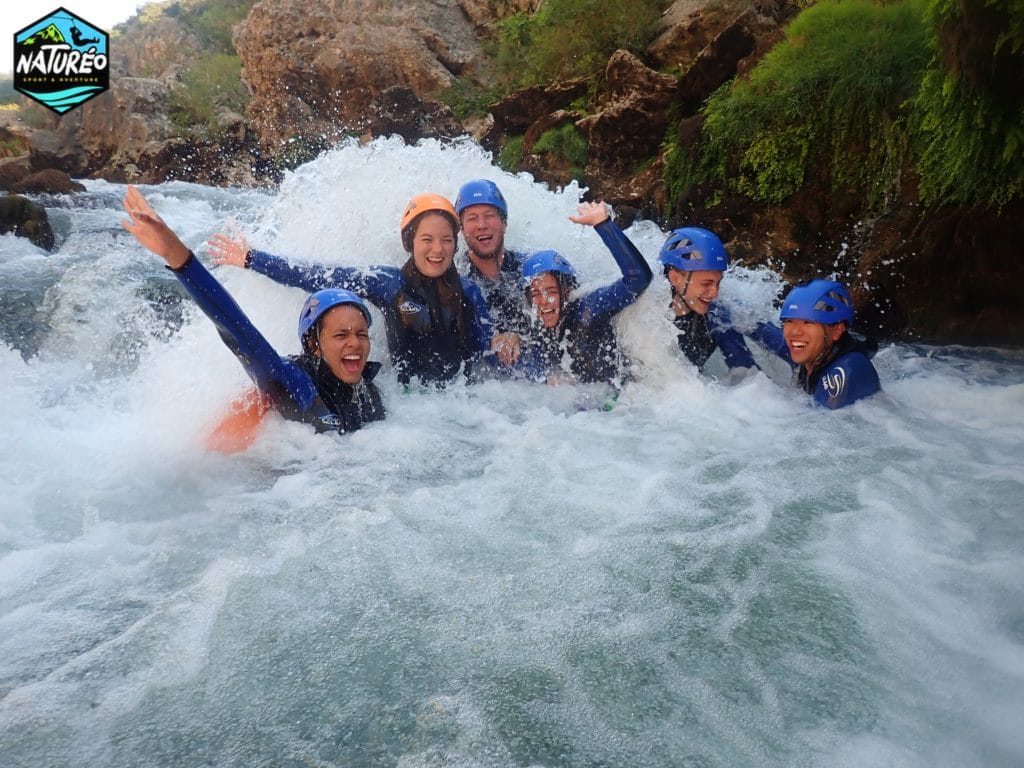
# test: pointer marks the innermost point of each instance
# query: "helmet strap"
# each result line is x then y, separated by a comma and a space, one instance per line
830, 344
681, 295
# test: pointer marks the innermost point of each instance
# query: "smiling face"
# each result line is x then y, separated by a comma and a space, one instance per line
433, 244
808, 340
484, 230
696, 289
344, 338
546, 298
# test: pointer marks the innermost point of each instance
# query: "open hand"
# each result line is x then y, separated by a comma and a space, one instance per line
150, 230
228, 250
591, 213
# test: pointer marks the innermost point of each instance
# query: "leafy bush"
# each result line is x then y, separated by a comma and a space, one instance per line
971, 106
832, 97
211, 83
511, 155
571, 38
565, 143
468, 100
213, 21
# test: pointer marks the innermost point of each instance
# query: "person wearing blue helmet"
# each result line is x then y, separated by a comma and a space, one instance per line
483, 216
573, 336
832, 364
694, 262
328, 385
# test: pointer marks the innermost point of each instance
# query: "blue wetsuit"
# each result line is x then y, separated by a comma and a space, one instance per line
504, 296
302, 388
584, 335
845, 374
435, 326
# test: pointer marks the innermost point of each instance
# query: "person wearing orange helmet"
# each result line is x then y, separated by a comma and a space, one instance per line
437, 322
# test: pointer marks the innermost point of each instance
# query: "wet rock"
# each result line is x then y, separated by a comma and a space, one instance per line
27, 219
49, 180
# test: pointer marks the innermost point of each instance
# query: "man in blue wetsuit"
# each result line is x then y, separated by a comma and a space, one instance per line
437, 323
483, 216
694, 261
329, 385
834, 366
574, 336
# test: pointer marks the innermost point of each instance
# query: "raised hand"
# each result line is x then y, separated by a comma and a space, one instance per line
591, 213
227, 250
150, 230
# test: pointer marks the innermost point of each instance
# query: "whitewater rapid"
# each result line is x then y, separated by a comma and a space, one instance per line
711, 573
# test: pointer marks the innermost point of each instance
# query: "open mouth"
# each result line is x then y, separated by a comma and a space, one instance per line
547, 315
352, 363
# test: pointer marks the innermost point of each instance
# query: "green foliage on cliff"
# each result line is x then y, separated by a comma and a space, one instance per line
571, 38
211, 84
210, 20
468, 100
971, 104
830, 100
860, 91
566, 144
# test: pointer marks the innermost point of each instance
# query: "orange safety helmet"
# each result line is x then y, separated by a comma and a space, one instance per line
425, 203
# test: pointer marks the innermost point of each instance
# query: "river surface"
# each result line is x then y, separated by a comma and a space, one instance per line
712, 573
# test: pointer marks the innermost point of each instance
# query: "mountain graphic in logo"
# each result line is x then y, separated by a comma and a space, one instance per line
61, 61
49, 35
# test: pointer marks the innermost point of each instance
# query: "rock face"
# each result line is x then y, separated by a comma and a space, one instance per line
322, 68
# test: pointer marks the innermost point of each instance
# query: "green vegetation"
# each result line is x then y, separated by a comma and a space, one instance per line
468, 100
830, 101
971, 110
210, 21
212, 83
511, 155
860, 91
571, 38
567, 145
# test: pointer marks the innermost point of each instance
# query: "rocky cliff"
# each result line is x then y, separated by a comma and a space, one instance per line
318, 70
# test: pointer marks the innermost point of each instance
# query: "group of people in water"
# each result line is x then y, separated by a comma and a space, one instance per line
508, 314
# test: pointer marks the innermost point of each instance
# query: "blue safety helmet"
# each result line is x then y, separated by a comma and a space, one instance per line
547, 261
820, 301
321, 301
693, 249
481, 192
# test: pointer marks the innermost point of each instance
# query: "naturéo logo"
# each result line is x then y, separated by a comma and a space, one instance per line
61, 61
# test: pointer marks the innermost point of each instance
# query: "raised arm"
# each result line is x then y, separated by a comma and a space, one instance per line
375, 284
272, 374
636, 273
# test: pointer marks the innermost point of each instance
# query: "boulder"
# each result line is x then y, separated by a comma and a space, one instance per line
107, 132
49, 180
13, 170
320, 69
27, 219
